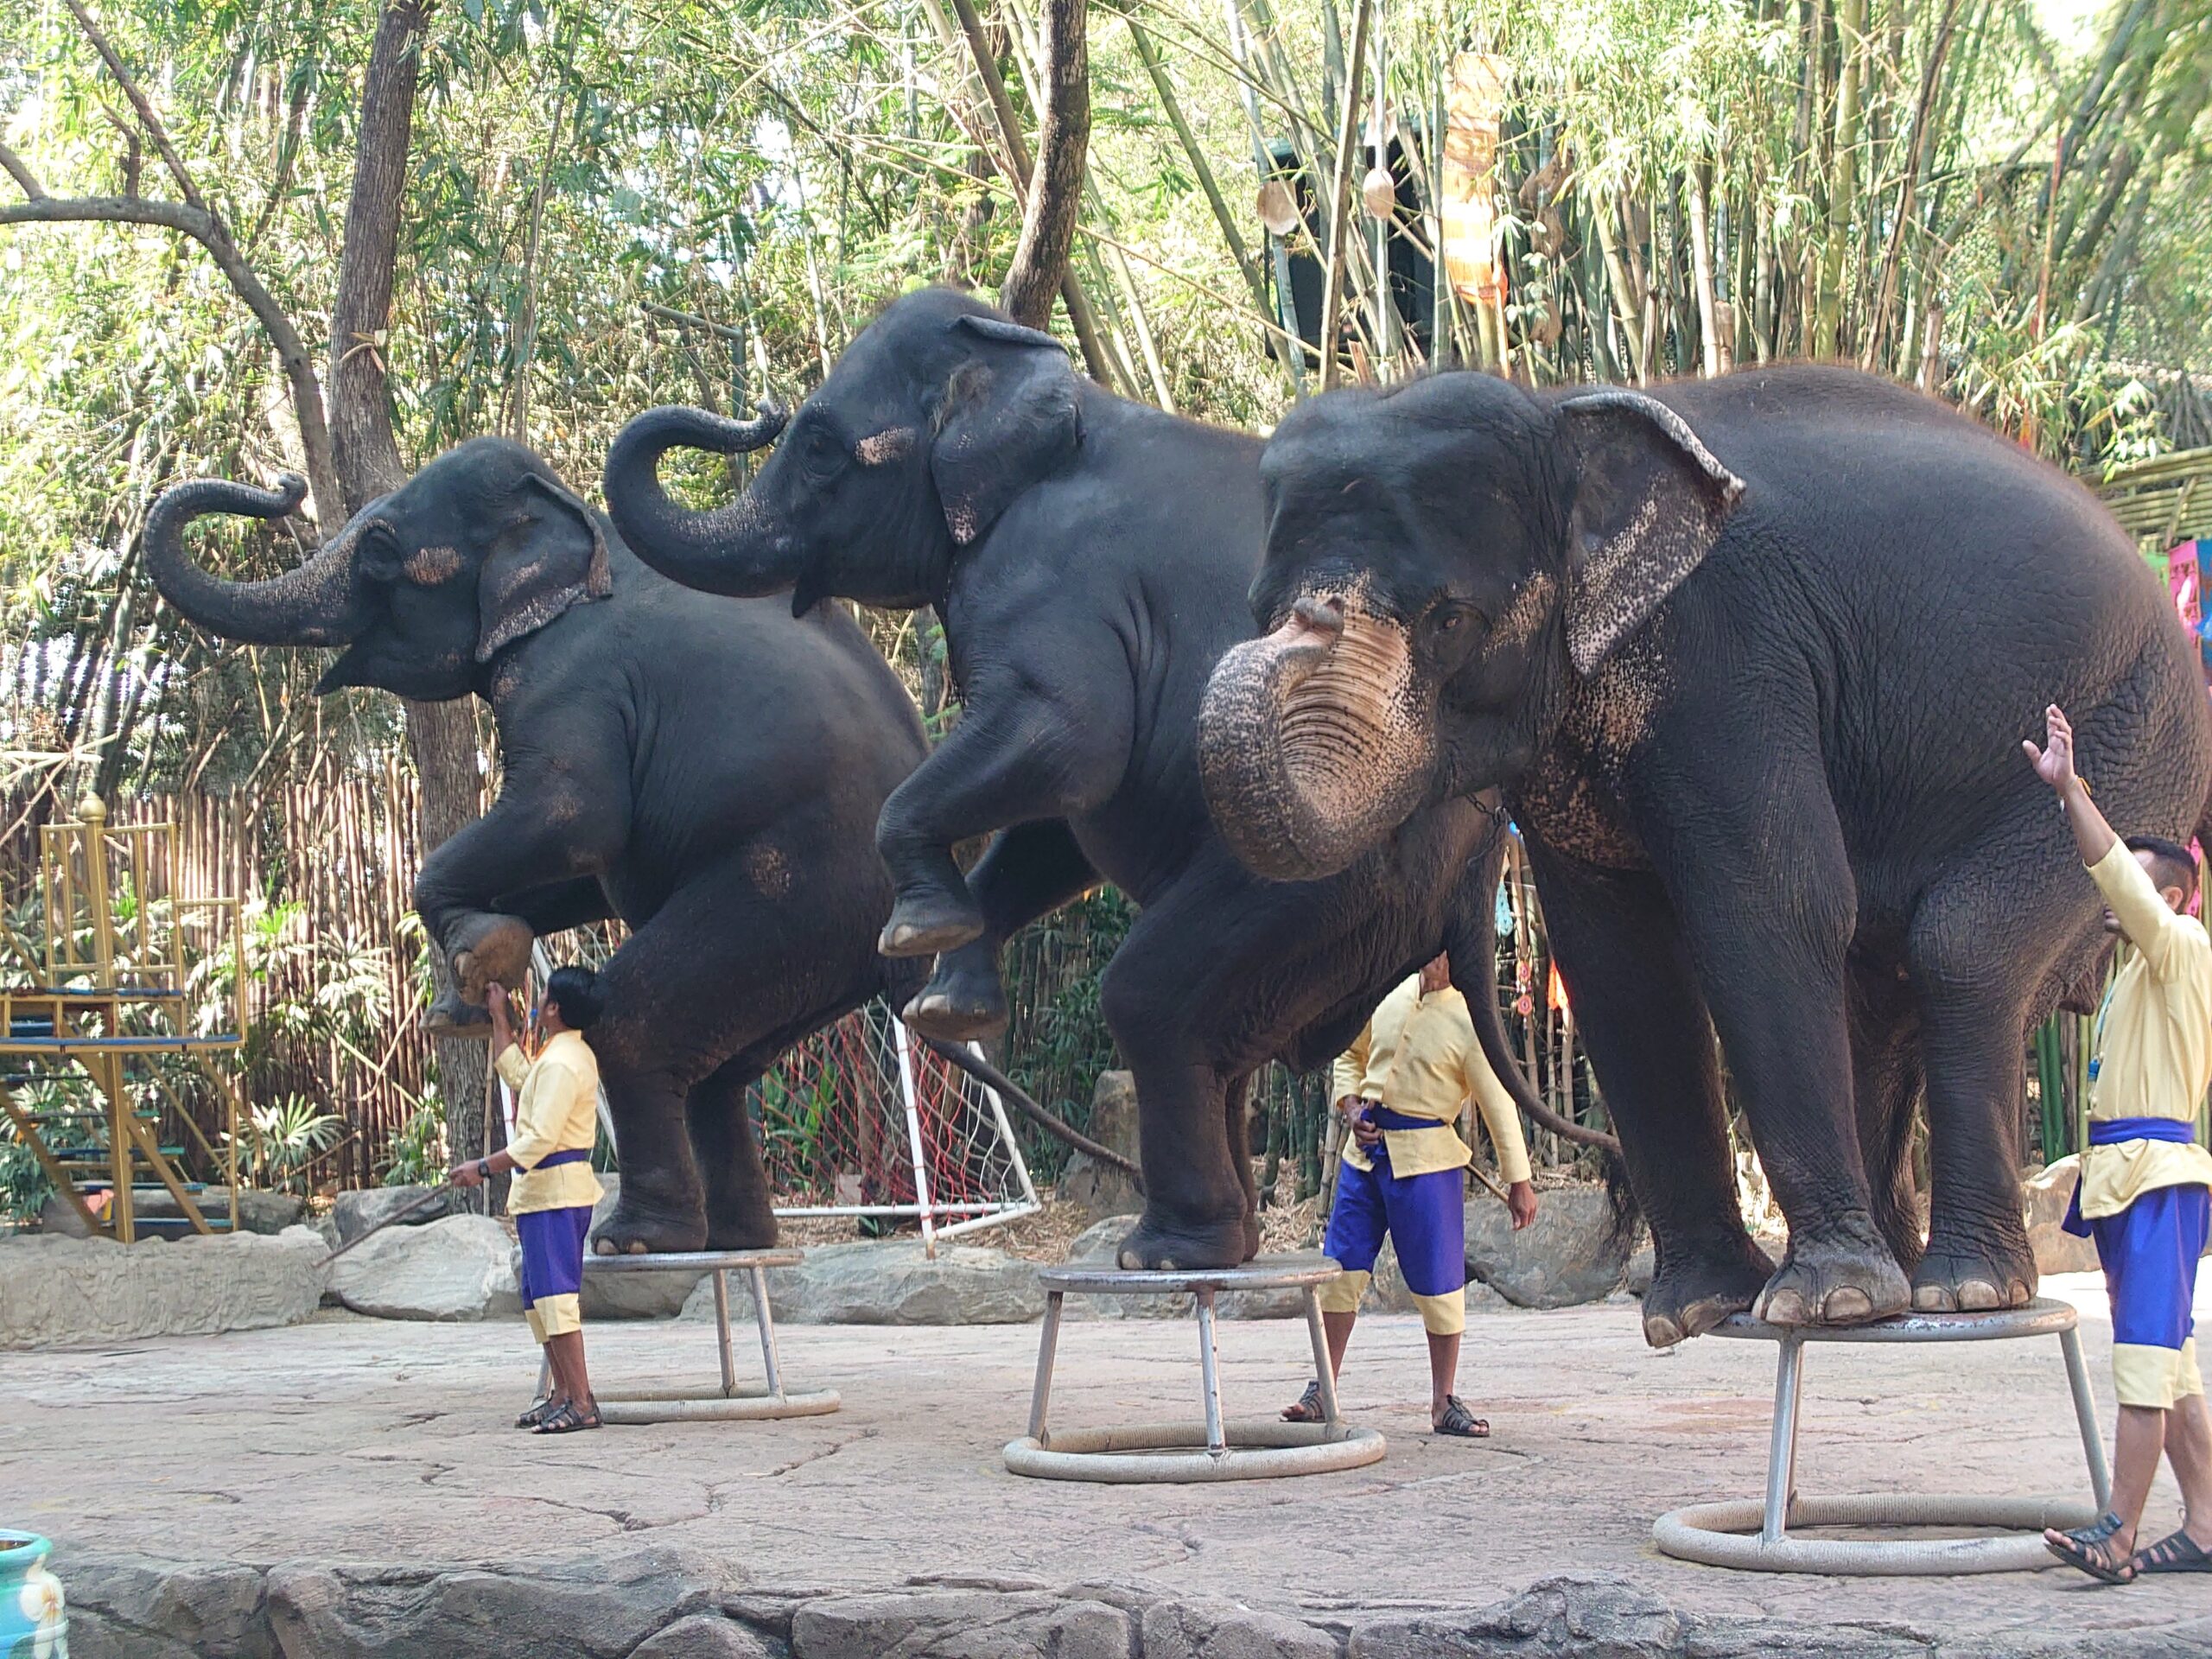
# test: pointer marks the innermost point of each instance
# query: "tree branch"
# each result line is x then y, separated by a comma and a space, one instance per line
13, 164
152, 122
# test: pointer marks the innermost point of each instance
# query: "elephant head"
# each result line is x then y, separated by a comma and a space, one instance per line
423, 586
1441, 559
937, 416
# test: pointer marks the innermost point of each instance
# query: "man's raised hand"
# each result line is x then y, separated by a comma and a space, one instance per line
2053, 762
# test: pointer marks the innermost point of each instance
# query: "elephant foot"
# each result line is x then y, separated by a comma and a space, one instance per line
1850, 1281
1974, 1275
748, 1229
931, 924
958, 1006
639, 1229
1689, 1301
450, 1016
1161, 1243
487, 948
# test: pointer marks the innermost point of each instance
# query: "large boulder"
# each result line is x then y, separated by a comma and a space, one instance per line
627, 1294
268, 1213
1575, 1251
892, 1281
355, 1213
56, 1291
456, 1267
1099, 1188
2043, 1199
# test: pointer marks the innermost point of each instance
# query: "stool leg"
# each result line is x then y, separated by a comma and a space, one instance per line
1323, 1370
1209, 1369
1048, 1343
770, 1362
2085, 1417
722, 1335
1782, 1446
544, 1375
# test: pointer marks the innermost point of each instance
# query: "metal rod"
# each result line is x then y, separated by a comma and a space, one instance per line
2085, 1417
904, 1042
722, 1335
771, 1362
1324, 1372
1782, 1445
1210, 1370
1048, 1343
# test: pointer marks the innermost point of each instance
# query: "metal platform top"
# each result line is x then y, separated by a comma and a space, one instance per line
694, 1260
2040, 1317
1261, 1273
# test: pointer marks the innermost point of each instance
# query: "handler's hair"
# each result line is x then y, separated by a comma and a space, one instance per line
2171, 865
574, 991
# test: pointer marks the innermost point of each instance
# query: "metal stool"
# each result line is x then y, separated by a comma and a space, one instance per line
1254, 1450
1717, 1534
731, 1403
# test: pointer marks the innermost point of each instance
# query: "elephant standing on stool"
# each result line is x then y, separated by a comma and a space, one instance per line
1752, 658
1089, 558
709, 770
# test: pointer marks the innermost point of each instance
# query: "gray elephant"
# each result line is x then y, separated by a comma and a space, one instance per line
1752, 658
709, 770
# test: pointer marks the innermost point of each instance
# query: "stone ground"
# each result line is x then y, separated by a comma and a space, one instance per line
355, 1468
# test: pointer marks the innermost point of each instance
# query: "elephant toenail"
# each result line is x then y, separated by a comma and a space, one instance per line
1660, 1331
603, 1247
1932, 1299
1785, 1307
638, 1247
1847, 1306
1978, 1296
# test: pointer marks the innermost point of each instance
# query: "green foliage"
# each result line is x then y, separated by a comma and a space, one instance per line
283, 1137
24, 1187
417, 1155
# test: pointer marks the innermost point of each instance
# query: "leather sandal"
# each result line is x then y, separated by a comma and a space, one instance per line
540, 1409
2082, 1549
569, 1418
2178, 1554
1308, 1408
1460, 1423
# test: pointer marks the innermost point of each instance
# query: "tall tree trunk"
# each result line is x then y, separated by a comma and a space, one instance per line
1048, 217
441, 736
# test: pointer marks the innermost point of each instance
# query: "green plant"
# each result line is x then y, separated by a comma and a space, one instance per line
285, 1135
24, 1186
418, 1150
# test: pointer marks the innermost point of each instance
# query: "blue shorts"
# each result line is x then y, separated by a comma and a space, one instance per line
553, 1267
2150, 1251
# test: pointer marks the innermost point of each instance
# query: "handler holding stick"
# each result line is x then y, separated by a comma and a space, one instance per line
556, 1120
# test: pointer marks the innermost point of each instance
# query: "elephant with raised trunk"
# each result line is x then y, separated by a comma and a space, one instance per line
709, 770
1090, 557
1752, 658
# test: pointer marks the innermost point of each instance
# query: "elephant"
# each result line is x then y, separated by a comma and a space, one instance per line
709, 770
1750, 659
1089, 557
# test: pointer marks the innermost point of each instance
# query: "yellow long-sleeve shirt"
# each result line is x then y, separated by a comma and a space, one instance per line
556, 1109
1419, 1056
2154, 1041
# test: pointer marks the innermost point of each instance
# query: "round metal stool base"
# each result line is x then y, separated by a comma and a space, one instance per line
673, 1406
1176, 1453
1726, 1534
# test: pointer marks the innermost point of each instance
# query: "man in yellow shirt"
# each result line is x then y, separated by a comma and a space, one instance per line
2145, 1192
556, 1121
1401, 1084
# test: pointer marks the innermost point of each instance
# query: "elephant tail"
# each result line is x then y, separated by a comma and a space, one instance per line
991, 1077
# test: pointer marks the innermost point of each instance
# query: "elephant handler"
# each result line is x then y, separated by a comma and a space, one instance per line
2145, 1192
556, 1120
1401, 1084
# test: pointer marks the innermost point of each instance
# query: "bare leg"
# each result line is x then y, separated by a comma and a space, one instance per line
1443, 1373
2189, 1449
1338, 1327
2136, 1445
566, 1351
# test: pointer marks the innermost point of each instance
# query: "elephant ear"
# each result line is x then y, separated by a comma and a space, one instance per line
550, 555
1007, 417
1649, 502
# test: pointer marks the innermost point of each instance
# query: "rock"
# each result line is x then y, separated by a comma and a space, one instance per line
892, 1281
960, 1624
1209, 1629
1099, 1243
2043, 1199
1572, 1252
1101, 1190
701, 1636
56, 1290
1643, 1267
355, 1213
268, 1213
1572, 1616
58, 1218
456, 1267
632, 1295
128, 1604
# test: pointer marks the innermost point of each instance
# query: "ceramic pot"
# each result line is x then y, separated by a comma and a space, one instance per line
33, 1623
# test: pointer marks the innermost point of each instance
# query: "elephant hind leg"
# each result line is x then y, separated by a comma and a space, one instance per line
1887, 1077
740, 1213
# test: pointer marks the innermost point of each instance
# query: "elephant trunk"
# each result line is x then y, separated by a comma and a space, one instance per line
310, 605
1312, 746
736, 549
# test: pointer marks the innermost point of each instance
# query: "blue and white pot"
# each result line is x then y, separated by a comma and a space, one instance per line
32, 1623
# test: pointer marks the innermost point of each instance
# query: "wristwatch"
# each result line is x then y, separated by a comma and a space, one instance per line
483, 1169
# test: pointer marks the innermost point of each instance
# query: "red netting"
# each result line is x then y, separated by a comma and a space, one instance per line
836, 1135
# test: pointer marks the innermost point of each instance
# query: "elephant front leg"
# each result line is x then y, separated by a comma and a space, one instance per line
740, 1214
661, 1206
1026, 872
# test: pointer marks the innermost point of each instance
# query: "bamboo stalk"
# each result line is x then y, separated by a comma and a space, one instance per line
1340, 195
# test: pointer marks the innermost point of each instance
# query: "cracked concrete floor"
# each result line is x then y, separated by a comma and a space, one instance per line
365, 1440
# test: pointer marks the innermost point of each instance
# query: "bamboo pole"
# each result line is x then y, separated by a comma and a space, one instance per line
1340, 194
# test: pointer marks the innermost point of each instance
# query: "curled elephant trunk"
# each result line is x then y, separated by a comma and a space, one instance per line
727, 549
1310, 744
310, 605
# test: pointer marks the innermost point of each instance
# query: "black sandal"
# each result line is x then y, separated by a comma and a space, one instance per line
540, 1409
1308, 1408
569, 1418
1461, 1423
2082, 1549
2179, 1553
